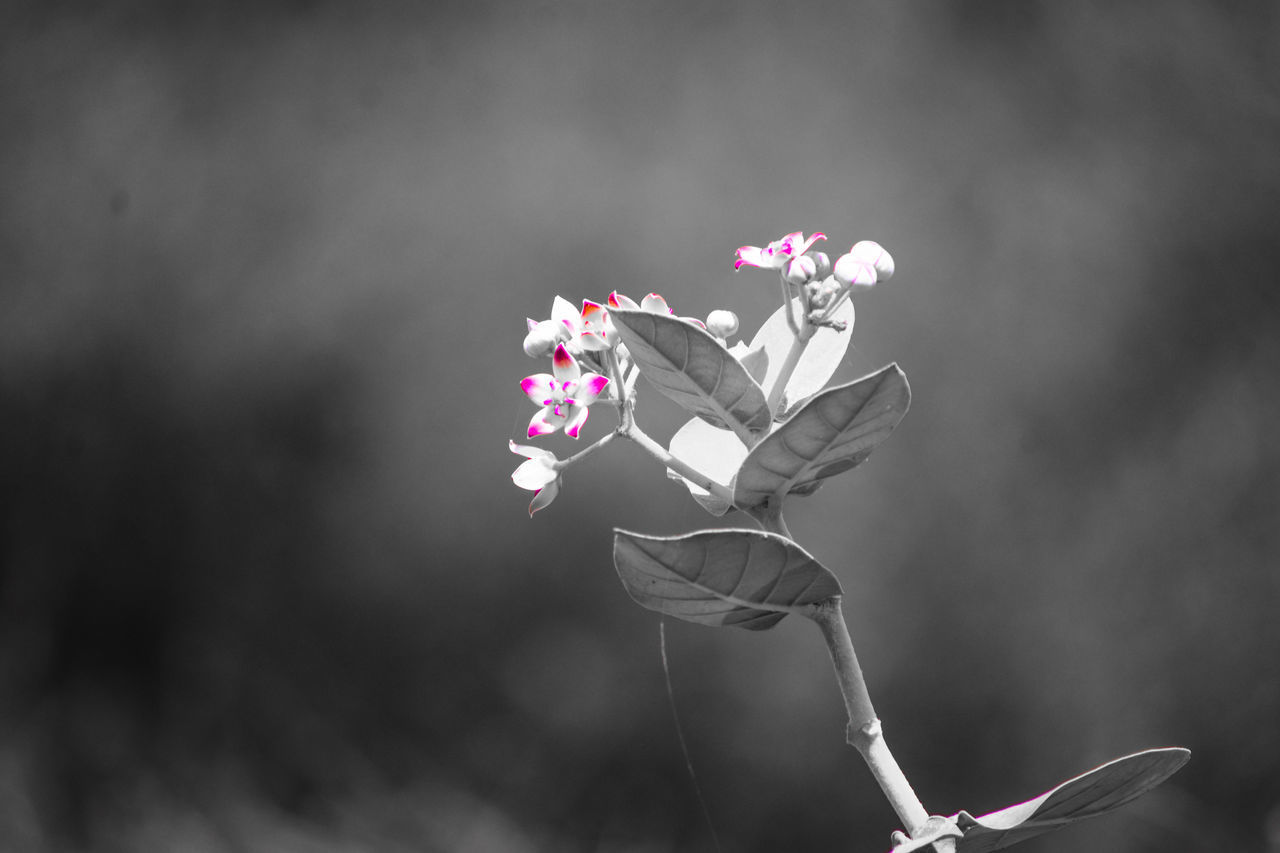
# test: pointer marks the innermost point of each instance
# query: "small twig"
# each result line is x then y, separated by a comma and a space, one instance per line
561, 464
786, 305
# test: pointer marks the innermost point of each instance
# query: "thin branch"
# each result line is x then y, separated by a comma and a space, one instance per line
630, 430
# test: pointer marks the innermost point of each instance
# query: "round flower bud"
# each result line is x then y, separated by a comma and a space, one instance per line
854, 273
871, 252
542, 338
800, 270
722, 323
822, 263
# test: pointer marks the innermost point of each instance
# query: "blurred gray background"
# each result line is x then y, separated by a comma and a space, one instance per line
265, 583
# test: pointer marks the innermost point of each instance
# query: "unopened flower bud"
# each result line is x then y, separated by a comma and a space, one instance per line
871, 252
800, 270
820, 293
722, 323
543, 337
823, 264
854, 273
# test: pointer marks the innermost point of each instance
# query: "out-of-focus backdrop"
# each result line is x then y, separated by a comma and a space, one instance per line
265, 583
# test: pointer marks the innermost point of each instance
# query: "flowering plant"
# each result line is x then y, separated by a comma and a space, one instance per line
766, 428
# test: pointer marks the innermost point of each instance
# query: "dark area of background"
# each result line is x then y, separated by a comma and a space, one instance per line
264, 268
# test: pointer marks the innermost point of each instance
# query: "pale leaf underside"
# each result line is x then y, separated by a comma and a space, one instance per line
821, 358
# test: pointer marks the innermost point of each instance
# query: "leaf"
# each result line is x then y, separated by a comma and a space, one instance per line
694, 369
746, 578
821, 357
756, 360
711, 451
831, 433
1089, 795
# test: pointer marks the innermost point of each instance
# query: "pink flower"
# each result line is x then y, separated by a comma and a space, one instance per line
564, 396
597, 332
537, 473
775, 255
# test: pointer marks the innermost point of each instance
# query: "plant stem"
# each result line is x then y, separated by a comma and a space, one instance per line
865, 732
561, 464
769, 517
628, 429
786, 306
798, 343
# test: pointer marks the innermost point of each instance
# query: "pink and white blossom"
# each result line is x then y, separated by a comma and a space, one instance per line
598, 332
563, 394
538, 474
775, 255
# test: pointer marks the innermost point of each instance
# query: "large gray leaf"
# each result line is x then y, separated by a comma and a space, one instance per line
833, 432
822, 355
694, 369
745, 578
1091, 794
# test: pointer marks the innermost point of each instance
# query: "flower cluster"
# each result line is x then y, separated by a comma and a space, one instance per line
822, 284
589, 361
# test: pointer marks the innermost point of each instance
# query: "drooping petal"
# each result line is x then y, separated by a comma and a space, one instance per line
543, 497
617, 300
545, 422
804, 247
539, 387
589, 388
750, 255
655, 304
564, 365
533, 474
531, 451
577, 416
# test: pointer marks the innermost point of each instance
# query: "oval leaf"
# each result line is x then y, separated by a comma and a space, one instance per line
694, 369
833, 432
746, 578
1091, 794
711, 451
821, 357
